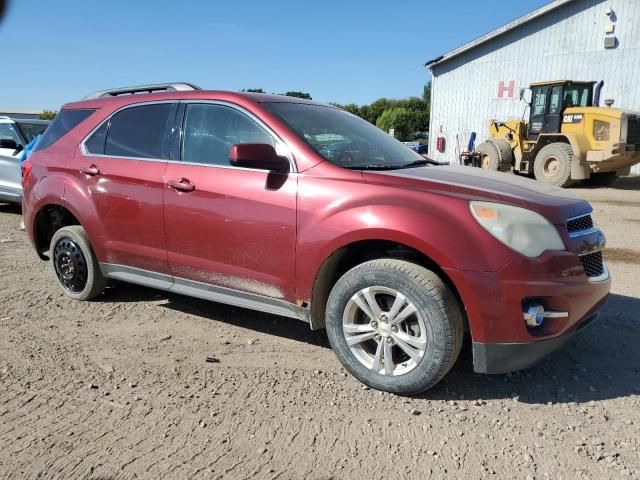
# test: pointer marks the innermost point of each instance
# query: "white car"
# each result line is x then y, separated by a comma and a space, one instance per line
14, 135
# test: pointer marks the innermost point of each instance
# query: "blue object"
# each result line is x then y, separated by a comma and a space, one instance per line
472, 142
28, 148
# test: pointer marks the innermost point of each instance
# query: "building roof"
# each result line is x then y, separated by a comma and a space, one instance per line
497, 32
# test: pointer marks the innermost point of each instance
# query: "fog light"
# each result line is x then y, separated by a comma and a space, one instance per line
535, 314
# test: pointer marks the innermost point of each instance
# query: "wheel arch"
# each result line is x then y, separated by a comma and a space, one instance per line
48, 219
354, 253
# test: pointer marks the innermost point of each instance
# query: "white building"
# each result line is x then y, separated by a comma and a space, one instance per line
564, 40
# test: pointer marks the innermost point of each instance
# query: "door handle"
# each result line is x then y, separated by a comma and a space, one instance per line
181, 185
90, 170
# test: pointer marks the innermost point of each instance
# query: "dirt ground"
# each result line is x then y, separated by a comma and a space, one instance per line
119, 388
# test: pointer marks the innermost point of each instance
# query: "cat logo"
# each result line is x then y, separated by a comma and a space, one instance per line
572, 118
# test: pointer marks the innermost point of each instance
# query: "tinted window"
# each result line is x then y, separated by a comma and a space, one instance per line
95, 144
30, 130
8, 132
64, 121
138, 131
211, 130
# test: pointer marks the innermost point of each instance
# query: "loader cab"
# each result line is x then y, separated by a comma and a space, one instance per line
549, 100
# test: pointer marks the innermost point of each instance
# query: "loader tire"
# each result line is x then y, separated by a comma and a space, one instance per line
491, 157
553, 164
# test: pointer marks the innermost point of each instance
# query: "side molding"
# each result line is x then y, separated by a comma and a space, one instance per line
205, 291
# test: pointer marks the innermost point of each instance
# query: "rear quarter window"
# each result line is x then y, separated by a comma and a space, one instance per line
64, 122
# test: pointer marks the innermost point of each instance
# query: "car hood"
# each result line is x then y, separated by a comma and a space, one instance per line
469, 183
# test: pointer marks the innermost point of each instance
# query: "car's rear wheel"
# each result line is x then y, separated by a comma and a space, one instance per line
394, 325
74, 264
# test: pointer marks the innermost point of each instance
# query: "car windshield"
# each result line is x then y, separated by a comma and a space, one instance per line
344, 139
30, 130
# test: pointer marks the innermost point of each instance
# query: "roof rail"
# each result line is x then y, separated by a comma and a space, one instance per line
156, 87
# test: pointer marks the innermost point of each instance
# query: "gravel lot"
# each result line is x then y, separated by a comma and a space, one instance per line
119, 388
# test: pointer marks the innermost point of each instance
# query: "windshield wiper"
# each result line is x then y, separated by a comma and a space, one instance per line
421, 163
374, 167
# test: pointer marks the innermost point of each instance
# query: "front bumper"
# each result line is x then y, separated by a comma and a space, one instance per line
494, 304
510, 357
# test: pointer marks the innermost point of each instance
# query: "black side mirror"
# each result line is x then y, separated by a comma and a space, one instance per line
10, 143
258, 155
523, 94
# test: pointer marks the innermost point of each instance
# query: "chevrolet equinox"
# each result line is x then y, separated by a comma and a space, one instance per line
303, 210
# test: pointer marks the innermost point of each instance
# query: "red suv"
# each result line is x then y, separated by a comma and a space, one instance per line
304, 210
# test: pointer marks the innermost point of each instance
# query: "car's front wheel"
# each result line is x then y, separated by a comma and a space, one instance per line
394, 325
75, 265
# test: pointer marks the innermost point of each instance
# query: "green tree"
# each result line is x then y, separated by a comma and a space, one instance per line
299, 95
401, 120
47, 115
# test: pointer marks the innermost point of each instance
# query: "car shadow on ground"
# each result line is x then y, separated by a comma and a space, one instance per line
601, 362
10, 208
240, 317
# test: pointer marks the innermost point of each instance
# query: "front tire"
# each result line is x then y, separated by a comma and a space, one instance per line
75, 265
394, 325
553, 164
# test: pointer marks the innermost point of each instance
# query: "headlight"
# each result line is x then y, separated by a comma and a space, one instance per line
522, 230
601, 130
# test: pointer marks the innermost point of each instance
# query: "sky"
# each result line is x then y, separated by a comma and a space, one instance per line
339, 51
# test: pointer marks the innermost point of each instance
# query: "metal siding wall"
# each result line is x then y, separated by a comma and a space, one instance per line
567, 43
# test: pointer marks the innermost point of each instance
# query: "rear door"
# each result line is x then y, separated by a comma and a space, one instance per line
228, 226
10, 176
122, 164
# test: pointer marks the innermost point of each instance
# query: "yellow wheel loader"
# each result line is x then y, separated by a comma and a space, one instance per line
568, 137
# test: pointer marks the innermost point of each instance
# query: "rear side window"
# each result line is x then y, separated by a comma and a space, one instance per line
138, 131
63, 123
96, 142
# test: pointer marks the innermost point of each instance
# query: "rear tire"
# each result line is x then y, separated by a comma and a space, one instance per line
75, 265
422, 339
553, 164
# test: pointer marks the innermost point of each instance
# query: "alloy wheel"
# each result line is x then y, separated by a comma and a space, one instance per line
384, 331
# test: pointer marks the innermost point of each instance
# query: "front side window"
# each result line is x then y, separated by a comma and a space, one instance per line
63, 123
8, 132
210, 131
138, 132
539, 102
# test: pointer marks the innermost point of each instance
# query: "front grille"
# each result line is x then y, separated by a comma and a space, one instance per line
593, 264
633, 129
581, 223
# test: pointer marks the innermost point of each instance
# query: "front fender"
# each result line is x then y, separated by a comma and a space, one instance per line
447, 234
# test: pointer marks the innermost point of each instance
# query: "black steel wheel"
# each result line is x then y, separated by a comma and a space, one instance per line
75, 265
70, 265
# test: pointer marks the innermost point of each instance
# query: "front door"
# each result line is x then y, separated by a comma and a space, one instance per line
539, 97
553, 117
227, 226
123, 165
